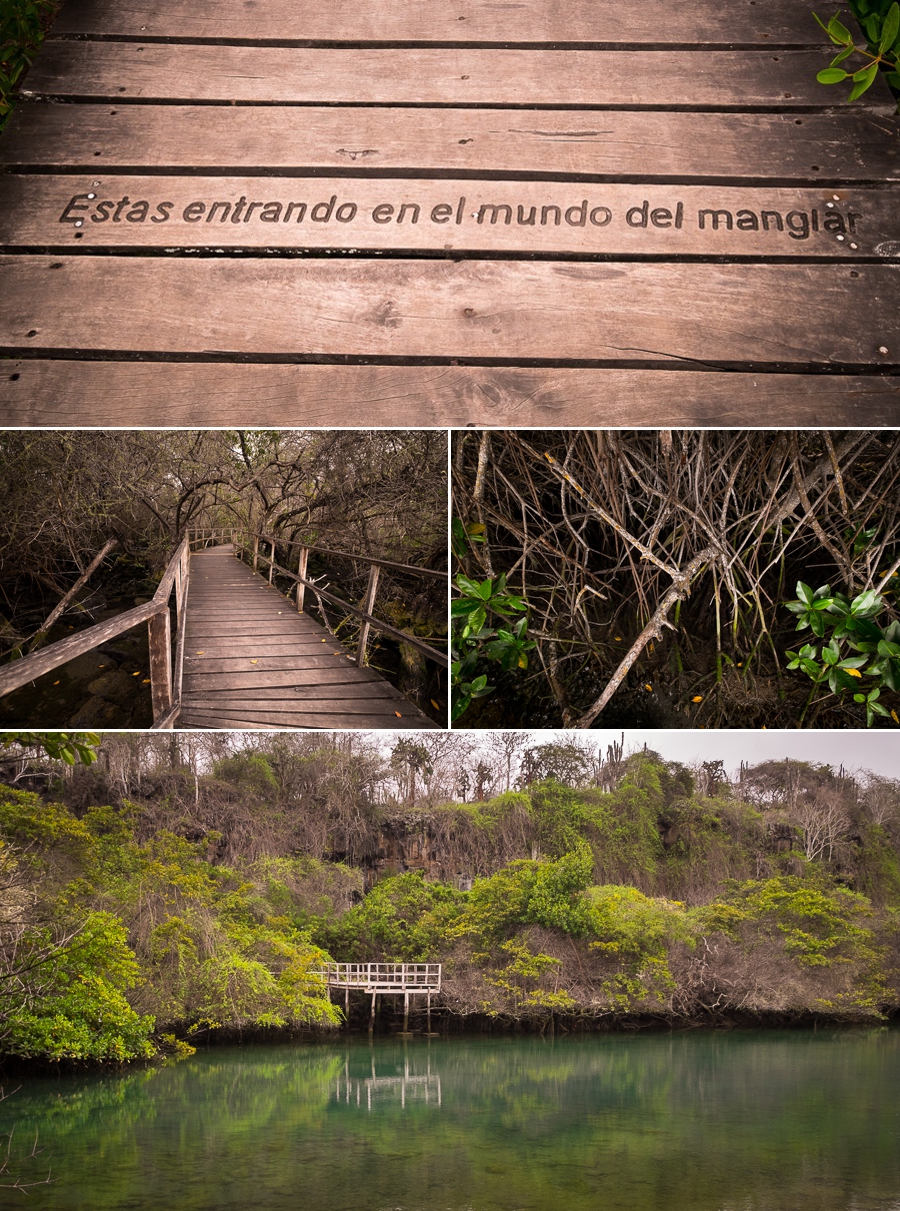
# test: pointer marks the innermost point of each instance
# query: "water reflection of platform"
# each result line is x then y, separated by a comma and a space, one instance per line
408, 1086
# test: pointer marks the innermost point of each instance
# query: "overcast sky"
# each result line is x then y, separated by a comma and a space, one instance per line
878, 750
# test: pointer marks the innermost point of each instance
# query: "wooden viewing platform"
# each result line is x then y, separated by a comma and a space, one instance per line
379, 979
246, 656
283, 212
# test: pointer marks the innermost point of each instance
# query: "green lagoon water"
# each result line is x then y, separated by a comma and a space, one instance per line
702, 1121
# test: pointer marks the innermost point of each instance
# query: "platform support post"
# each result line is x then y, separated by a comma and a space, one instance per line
406, 1013
255, 552
272, 564
301, 571
428, 1013
368, 604
372, 1013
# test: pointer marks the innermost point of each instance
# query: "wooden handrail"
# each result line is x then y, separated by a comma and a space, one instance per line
293, 542
377, 563
367, 618
154, 612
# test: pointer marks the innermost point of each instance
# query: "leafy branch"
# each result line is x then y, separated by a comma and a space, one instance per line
857, 647
474, 637
882, 30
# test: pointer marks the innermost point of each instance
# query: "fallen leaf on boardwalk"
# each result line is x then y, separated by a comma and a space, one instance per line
254, 662
698, 698
397, 713
201, 653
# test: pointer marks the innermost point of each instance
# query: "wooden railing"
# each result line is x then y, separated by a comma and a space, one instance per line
165, 666
252, 546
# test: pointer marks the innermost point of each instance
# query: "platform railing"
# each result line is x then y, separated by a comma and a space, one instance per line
252, 545
383, 977
165, 664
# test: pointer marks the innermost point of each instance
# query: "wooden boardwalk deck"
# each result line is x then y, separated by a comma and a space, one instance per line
251, 661
484, 212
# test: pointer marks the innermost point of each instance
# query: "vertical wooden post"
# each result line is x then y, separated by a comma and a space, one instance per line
255, 552
272, 564
372, 1012
406, 1012
301, 571
428, 1011
160, 636
368, 603
347, 1002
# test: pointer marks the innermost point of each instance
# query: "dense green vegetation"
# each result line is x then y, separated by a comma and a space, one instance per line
179, 887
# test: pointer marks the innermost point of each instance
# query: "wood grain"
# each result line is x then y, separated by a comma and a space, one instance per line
68, 393
842, 145
122, 71
616, 312
398, 21
167, 212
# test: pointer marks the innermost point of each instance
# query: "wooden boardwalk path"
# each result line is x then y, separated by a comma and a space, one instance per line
528, 212
251, 661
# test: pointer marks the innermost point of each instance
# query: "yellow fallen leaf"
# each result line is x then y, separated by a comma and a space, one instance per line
437, 706
56, 683
397, 713
740, 664
853, 672
649, 687
137, 674
254, 662
618, 639
201, 653
146, 681
697, 698
894, 717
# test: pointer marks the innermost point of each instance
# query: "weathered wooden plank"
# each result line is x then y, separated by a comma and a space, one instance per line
215, 648
121, 71
196, 682
78, 394
209, 629
743, 315
164, 212
286, 697
409, 718
843, 145
348, 706
526, 21
265, 663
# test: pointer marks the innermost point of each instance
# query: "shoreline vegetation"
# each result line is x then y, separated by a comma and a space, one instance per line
183, 890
